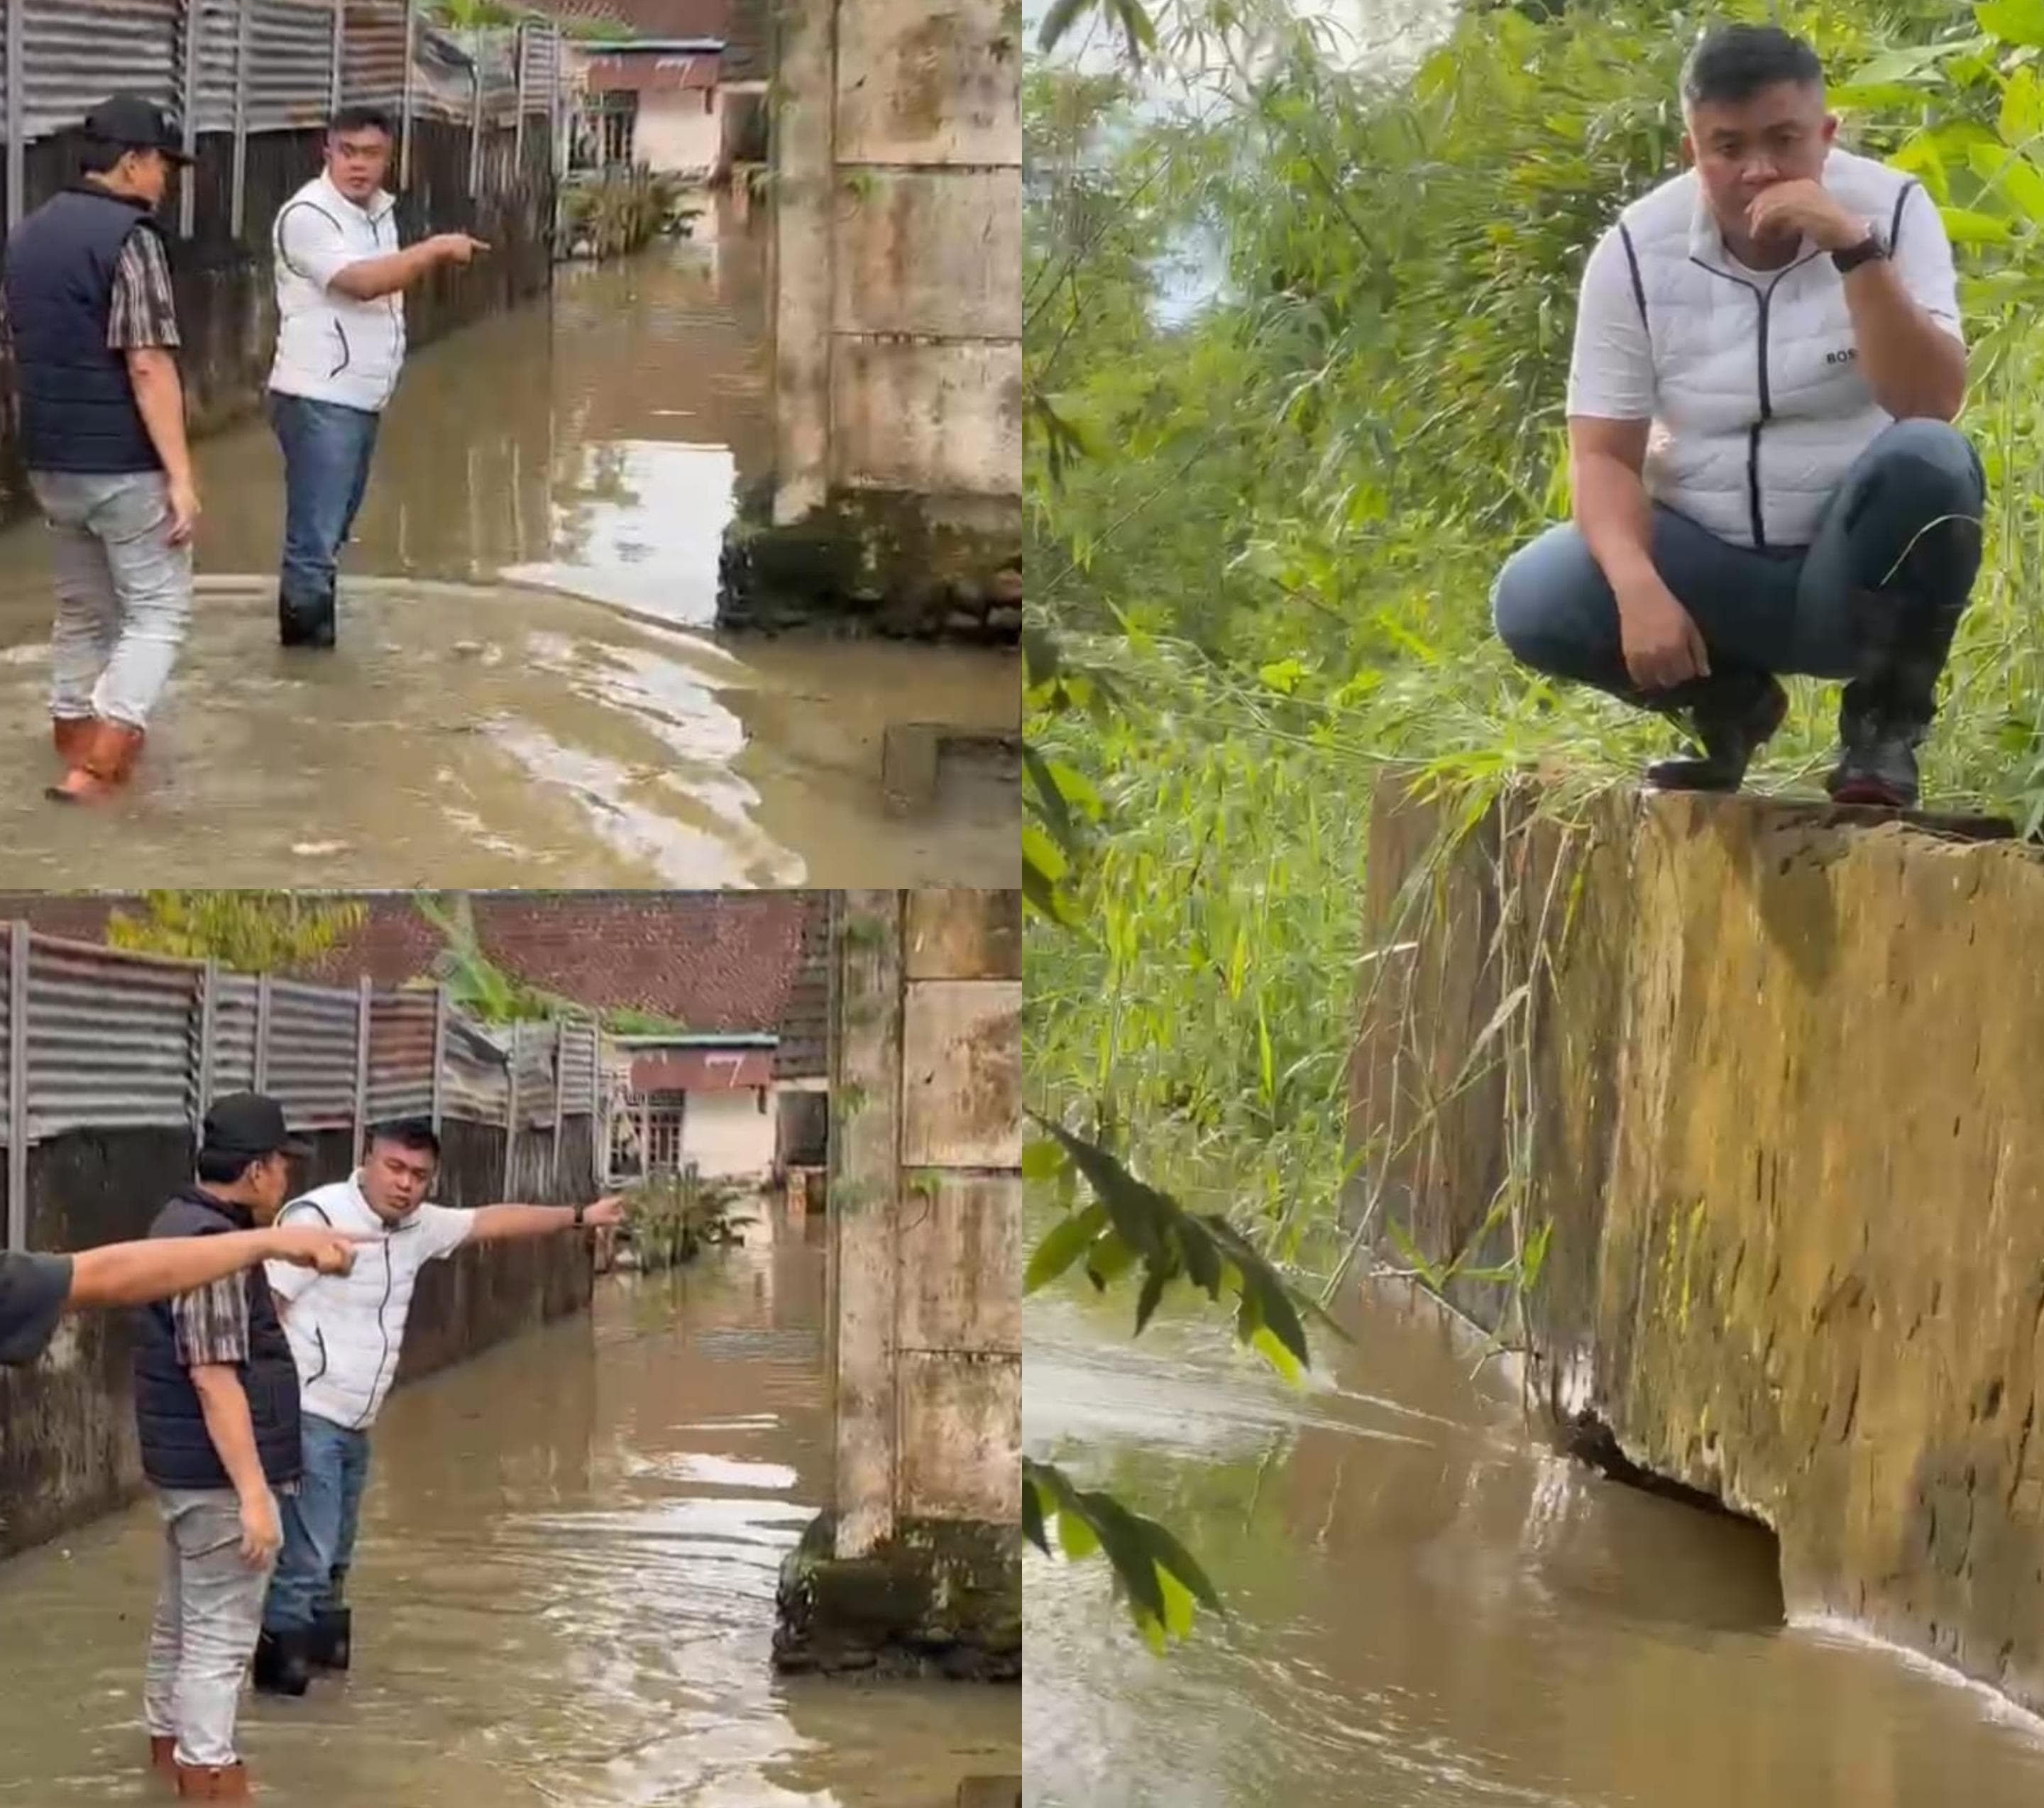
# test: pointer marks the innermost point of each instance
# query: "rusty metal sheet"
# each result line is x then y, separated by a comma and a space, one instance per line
76, 52
401, 1054
235, 1014
533, 1056
540, 49
475, 1078
290, 64
372, 63
213, 43
311, 1065
109, 1038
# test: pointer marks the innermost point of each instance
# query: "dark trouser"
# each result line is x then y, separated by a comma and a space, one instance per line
1874, 598
327, 449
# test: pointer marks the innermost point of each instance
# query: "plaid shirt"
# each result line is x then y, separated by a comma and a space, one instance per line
212, 1323
143, 315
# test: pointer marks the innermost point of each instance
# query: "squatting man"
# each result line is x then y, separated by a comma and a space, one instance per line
1768, 358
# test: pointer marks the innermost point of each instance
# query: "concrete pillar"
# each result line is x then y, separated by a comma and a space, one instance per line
917, 1567
806, 36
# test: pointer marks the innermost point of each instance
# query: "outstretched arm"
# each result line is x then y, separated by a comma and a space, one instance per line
494, 1223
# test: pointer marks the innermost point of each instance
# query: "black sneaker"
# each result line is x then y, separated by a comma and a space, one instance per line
1734, 716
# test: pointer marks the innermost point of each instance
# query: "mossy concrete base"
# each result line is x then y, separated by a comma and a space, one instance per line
941, 1598
877, 562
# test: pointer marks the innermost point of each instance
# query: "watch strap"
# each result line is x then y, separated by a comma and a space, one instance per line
1870, 250
579, 1210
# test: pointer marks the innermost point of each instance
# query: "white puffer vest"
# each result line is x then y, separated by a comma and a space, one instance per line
1760, 407
329, 347
347, 1331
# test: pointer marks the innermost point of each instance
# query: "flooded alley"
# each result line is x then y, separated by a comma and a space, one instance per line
1430, 1610
565, 1593
530, 691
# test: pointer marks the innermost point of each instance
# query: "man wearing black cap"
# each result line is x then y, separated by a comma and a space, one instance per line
95, 331
216, 1405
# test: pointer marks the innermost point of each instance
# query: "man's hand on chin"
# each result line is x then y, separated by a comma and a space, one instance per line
1802, 208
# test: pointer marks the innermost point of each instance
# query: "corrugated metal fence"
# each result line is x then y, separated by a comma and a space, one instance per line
95, 1038
244, 67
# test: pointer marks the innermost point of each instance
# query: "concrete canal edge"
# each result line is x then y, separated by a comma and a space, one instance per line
1769, 1071
938, 1598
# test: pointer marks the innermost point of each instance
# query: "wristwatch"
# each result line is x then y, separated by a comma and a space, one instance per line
579, 1211
1870, 250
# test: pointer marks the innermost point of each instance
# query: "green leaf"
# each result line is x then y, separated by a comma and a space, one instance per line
1108, 1260
1041, 1160
2022, 118
1153, 1283
1050, 800
1076, 1538
1032, 1514
1179, 1605
2013, 21
1968, 227
1062, 1244
1272, 1348
1040, 851
1282, 675
1265, 1060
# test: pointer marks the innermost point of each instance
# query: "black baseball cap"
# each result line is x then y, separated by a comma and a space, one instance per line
247, 1124
133, 124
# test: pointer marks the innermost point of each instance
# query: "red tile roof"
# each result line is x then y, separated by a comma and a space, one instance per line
722, 962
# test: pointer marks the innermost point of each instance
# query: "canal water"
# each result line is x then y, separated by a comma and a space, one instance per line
564, 1593
1429, 1609
526, 691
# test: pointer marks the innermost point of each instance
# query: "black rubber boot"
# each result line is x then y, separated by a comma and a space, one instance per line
1885, 713
304, 621
1733, 715
333, 1624
281, 1666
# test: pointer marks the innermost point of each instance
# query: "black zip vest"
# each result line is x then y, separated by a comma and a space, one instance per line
176, 1450
77, 406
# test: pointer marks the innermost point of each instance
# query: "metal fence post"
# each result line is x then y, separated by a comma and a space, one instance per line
263, 1033
334, 89
440, 1055
519, 41
243, 11
195, 15
560, 1101
475, 116
361, 1009
18, 168
511, 1117
18, 1053
208, 1026
404, 105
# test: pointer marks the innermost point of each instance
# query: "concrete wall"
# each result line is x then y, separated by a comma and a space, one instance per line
727, 1133
897, 371
674, 133
226, 293
918, 1561
1777, 1097
67, 1448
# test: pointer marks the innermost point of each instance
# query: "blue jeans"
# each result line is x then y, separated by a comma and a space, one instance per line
1798, 609
327, 449
320, 1522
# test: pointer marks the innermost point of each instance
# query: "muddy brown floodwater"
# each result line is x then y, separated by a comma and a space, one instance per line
526, 692
564, 1595
1430, 1610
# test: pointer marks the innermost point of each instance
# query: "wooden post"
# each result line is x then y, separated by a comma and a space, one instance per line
440, 1055
238, 198
511, 1119
263, 1008
865, 1182
17, 1032
195, 31
209, 1028
362, 1001
560, 1101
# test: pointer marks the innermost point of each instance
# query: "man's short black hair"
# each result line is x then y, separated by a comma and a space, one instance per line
360, 119
414, 1133
1733, 63
226, 1167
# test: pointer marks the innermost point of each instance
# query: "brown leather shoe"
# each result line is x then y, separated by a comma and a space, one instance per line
69, 735
164, 1756
102, 768
213, 1782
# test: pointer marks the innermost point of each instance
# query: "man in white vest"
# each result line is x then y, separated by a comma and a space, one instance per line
1768, 358
341, 279
347, 1339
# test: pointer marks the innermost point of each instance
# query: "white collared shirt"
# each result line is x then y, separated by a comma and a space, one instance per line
347, 1331
331, 347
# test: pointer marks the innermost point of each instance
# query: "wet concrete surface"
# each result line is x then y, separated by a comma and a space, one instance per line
1431, 1609
564, 1593
526, 691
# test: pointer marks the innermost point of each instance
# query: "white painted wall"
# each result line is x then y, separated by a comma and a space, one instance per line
727, 1133
675, 134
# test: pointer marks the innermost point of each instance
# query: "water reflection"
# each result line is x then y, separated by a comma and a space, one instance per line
1431, 1609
